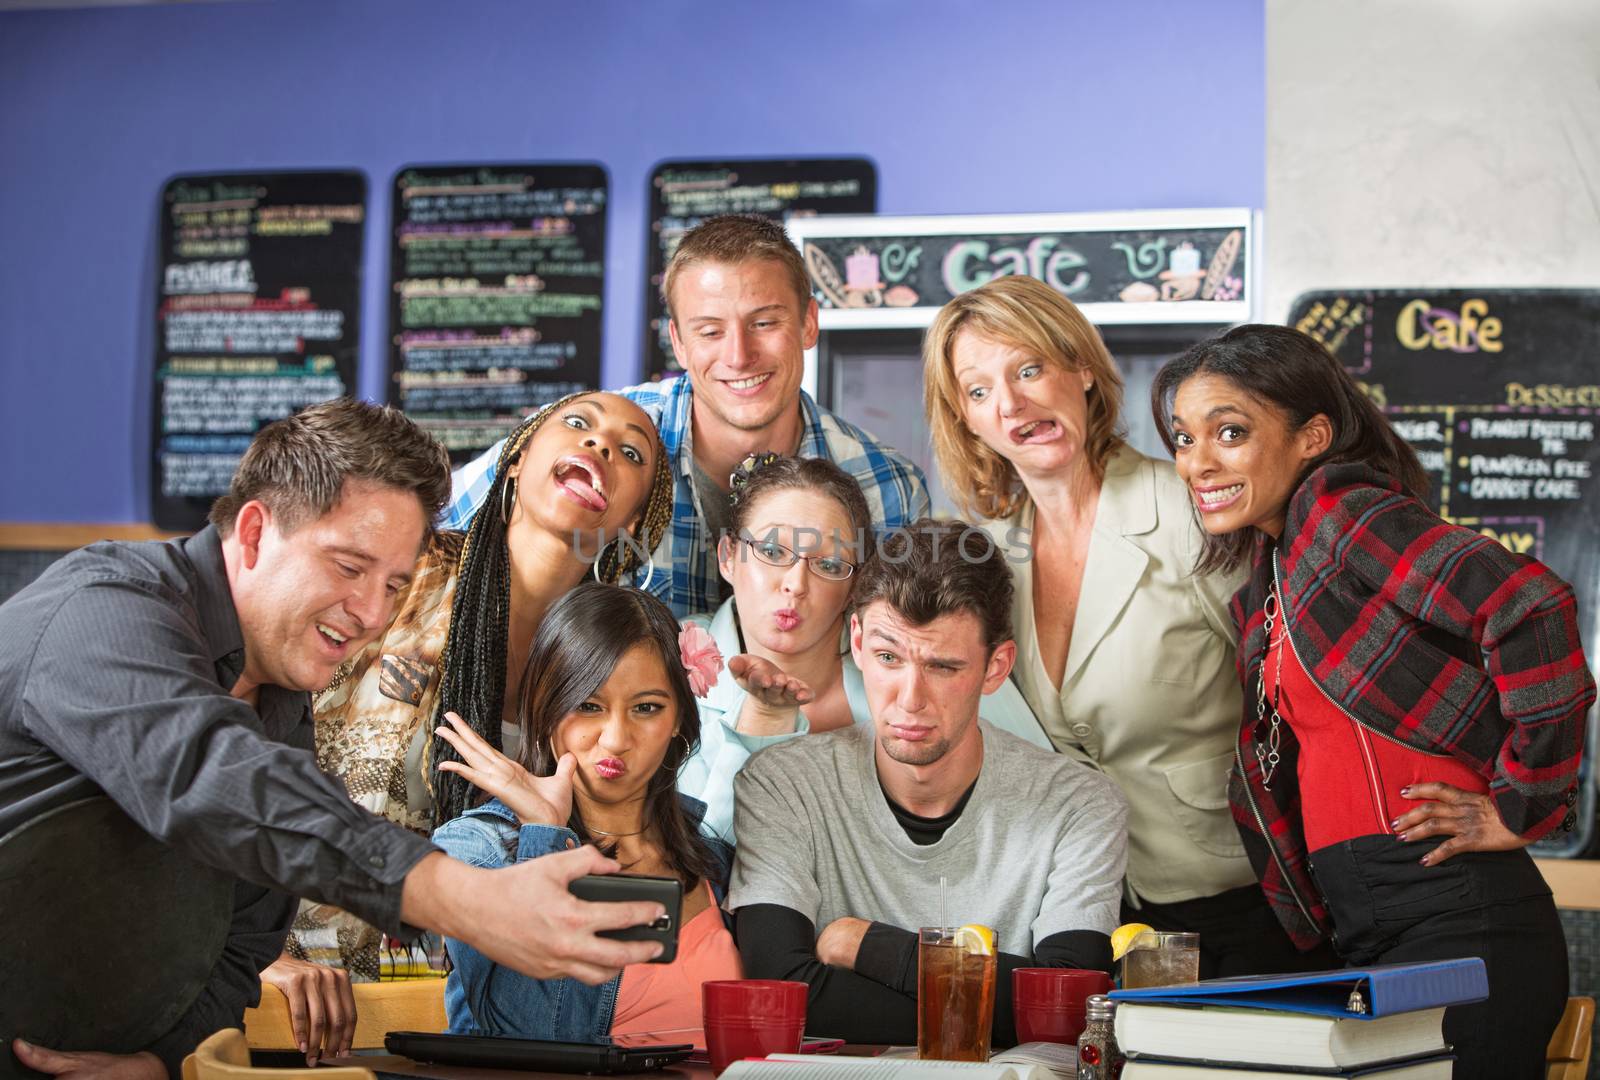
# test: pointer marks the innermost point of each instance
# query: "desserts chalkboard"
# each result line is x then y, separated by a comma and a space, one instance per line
496, 281
1498, 390
685, 193
258, 315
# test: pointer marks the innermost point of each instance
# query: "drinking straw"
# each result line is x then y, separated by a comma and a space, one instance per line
942, 920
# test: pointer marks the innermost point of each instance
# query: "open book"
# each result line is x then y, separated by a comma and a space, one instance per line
1030, 1061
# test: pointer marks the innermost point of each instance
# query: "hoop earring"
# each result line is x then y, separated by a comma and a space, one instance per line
650, 566
688, 752
508, 499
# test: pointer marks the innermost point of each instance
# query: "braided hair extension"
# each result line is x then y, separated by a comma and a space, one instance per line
474, 662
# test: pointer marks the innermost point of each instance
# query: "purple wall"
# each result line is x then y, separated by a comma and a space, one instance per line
1030, 105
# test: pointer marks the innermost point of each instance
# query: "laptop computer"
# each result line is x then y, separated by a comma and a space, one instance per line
533, 1055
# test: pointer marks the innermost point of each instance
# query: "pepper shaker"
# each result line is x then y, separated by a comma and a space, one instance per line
1098, 1056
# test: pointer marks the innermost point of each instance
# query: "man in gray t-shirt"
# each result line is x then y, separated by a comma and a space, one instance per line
845, 837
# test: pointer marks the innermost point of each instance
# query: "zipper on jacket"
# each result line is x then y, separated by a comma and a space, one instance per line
1354, 719
1272, 845
1374, 786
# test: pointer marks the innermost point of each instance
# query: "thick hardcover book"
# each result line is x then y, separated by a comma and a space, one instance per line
1212, 1033
1371, 992
1435, 1068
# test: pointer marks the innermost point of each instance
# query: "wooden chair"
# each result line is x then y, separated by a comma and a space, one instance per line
1568, 1055
226, 1056
409, 1005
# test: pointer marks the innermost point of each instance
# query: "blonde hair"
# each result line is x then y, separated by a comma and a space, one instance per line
1026, 314
735, 239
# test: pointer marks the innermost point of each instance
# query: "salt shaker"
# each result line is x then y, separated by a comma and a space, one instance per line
1098, 1056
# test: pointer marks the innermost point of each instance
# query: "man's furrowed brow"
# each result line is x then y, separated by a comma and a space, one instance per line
880, 634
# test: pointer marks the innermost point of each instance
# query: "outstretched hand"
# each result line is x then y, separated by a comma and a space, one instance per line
773, 699
1469, 820
536, 800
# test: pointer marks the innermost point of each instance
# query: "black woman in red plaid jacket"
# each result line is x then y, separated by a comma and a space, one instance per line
1462, 658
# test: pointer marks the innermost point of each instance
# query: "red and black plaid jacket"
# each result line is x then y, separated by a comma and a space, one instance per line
1424, 632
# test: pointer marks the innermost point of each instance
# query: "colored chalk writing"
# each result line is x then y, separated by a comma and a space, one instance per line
258, 315
497, 276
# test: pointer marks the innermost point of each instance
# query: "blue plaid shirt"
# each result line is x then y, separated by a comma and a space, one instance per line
686, 576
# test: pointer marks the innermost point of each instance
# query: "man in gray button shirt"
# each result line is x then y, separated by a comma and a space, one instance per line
175, 678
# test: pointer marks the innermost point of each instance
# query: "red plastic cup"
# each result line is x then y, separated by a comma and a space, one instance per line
752, 1018
1048, 1002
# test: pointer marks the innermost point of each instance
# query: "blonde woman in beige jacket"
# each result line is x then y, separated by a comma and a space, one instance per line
1124, 654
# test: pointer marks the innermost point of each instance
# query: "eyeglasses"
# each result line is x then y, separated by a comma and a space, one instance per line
827, 567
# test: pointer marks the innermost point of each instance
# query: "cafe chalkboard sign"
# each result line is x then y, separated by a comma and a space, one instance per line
685, 193
1498, 391
1147, 266
497, 277
258, 315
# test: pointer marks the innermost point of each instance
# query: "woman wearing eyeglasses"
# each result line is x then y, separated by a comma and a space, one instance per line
800, 528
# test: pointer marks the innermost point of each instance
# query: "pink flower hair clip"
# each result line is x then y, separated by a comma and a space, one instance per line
698, 652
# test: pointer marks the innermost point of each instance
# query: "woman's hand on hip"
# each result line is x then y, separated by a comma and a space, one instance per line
1468, 820
536, 800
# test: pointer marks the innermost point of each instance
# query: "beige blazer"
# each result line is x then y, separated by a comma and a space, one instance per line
1149, 694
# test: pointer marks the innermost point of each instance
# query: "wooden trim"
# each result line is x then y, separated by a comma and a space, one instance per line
46, 536
1575, 882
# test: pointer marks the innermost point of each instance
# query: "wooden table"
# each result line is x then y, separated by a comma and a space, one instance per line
400, 1066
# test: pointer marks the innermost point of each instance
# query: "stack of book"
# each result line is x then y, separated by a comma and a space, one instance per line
1378, 1022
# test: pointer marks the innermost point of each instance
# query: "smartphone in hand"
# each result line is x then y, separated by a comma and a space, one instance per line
616, 888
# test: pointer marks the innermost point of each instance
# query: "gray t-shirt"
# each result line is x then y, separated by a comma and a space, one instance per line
1039, 849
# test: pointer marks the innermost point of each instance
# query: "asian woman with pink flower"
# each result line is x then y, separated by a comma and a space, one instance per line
800, 530
607, 714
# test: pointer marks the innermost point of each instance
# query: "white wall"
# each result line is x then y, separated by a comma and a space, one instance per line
1431, 142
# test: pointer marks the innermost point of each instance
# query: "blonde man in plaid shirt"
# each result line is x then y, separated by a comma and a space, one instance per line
742, 318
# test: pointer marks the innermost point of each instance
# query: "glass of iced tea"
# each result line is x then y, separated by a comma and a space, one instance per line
1161, 958
955, 992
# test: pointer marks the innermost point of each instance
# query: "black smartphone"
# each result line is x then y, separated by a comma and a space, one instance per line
614, 888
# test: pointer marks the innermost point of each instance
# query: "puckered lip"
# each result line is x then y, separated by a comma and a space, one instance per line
610, 768
585, 467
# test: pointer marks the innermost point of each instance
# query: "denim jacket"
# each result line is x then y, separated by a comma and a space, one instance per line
483, 998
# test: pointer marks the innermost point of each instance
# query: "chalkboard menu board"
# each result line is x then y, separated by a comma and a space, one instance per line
921, 263
685, 193
496, 275
1498, 390
258, 316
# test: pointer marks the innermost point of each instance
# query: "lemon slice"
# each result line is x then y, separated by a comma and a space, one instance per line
1123, 936
975, 939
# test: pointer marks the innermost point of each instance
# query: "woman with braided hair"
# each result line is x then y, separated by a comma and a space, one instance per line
584, 476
